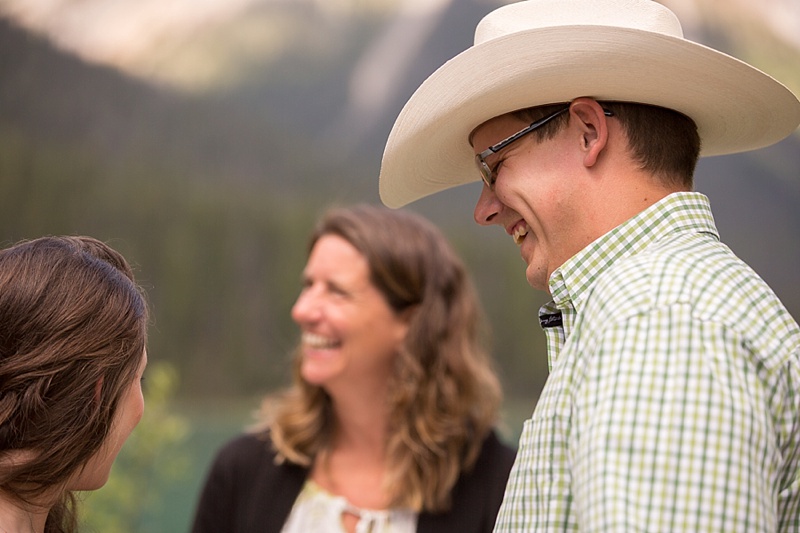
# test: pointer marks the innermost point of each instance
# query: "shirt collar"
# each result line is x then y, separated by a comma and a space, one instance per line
678, 212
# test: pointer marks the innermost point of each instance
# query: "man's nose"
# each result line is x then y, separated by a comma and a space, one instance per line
487, 207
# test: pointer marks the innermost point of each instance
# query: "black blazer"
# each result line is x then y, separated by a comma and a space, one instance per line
246, 492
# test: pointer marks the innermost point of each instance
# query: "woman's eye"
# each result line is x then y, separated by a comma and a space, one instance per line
337, 290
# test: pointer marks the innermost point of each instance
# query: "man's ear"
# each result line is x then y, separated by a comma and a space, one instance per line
592, 123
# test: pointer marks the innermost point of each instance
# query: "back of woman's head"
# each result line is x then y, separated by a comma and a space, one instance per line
72, 334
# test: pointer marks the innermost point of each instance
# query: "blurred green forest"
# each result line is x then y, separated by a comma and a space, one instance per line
221, 264
219, 253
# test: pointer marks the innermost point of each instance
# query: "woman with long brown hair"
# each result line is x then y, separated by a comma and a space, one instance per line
388, 426
72, 353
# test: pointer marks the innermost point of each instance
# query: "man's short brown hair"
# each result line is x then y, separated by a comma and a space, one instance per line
663, 141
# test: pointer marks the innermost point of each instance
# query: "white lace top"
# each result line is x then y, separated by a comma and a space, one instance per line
319, 511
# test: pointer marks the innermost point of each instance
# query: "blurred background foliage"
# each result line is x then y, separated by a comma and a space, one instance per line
203, 140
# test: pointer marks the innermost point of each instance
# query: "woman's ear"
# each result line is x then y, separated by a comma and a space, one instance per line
405, 317
98, 389
593, 126
408, 313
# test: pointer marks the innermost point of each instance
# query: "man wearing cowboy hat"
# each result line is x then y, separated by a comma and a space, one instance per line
673, 401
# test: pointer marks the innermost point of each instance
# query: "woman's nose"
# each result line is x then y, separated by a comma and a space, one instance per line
305, 308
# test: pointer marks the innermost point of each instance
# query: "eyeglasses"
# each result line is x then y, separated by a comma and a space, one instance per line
487, 174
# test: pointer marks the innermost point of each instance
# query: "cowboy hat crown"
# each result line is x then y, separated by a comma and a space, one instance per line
538, 52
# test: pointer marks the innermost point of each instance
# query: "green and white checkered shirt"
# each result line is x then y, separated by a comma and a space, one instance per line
673, 402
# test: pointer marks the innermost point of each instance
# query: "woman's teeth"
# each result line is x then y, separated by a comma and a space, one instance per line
318, 341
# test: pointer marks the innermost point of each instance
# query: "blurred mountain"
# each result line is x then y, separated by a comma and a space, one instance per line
290, 103
49, 95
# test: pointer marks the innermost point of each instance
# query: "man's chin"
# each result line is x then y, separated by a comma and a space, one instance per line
537, 278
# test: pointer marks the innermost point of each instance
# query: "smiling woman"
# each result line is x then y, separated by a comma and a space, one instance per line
72, 353
350, 333
388, 425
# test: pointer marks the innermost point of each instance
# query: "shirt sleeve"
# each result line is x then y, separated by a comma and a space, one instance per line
673, 428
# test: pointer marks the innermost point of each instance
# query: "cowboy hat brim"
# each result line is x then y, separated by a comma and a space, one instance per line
736, 107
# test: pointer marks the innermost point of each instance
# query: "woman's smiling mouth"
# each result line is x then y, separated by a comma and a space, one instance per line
319, 342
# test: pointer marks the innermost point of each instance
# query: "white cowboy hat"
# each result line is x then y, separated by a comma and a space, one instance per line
538, 52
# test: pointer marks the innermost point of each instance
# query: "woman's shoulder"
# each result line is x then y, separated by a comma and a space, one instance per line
477, 495
493, 464
246, 449
496, 455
